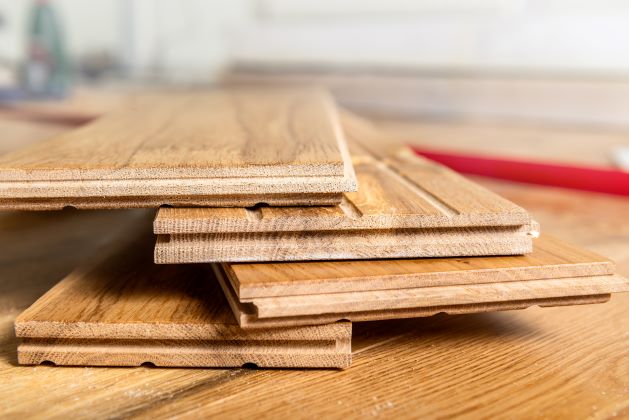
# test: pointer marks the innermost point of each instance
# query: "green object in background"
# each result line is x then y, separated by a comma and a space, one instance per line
46, 71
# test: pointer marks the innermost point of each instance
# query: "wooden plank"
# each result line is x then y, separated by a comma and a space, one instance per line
406, 207
398, 190
551, 258
123, 311
225, 147
562, 362
287, 306
18, 132
281, 294
292, 311
332, 245
249, 320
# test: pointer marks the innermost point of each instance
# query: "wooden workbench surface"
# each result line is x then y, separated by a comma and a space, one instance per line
552, 362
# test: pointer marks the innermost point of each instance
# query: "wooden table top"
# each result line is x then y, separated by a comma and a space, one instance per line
553, 362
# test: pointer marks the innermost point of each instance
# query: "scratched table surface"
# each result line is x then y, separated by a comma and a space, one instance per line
570, 362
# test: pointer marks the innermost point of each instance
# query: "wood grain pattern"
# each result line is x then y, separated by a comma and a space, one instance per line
247, 313
564, 362
124, 311
238, 146
289, 294
551, 258
406, 207
20, 133
332, 245
315, 309
426, 298
397, 190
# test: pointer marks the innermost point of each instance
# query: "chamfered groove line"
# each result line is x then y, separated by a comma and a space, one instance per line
432, 199
349, 209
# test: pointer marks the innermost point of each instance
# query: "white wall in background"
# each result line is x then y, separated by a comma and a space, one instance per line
192, 40
175, 40
88, 26
185, 40
327, 8
574, 36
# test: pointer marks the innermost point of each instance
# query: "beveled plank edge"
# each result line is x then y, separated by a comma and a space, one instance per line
410, 281
316, 304
348, 166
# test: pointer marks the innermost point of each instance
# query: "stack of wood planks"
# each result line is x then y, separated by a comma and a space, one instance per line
281, 220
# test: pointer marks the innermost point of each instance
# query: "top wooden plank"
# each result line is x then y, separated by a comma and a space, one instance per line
397, 190
253, 142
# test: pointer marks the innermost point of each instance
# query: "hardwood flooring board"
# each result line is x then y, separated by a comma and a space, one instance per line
456, 193
436, 296
239, 142
247, 312
564, 362
186, 353
551, 258
406, 207
122, 309
398, 190
309, 293
344, 245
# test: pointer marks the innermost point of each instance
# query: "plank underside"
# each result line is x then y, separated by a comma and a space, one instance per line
124, 311
398, 190
551, 259
343, 245
253, 323
200, 148
111, 203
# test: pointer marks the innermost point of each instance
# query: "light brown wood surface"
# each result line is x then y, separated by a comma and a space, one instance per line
375, 306
406, 207
332, 245
397, 190
225, 147
122, 310
17, 132
287, 314
278, 295
551, 259
567, 362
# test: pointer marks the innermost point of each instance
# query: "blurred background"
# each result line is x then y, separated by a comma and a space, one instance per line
540, 81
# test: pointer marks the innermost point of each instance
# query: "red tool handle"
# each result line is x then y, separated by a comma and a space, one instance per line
595, 179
